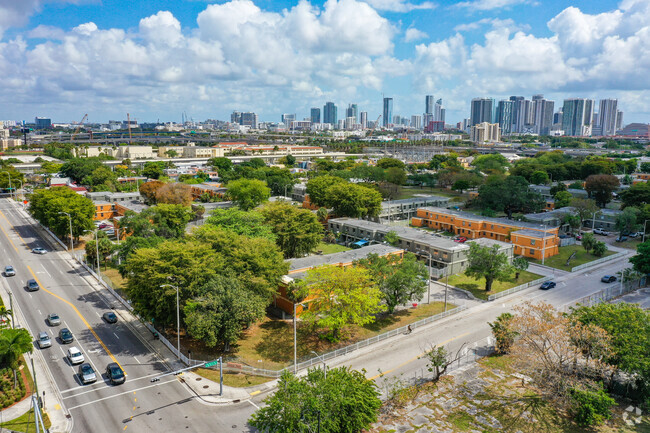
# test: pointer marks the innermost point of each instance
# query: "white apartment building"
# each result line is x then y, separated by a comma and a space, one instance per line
485, 133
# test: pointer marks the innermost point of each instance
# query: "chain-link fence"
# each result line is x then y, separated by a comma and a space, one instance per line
609, 293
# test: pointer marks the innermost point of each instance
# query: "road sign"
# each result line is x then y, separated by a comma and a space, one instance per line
211, 363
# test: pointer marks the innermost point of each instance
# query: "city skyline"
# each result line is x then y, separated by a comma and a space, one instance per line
160, 60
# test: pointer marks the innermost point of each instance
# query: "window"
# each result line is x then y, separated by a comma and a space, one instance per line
532, 241
532, 252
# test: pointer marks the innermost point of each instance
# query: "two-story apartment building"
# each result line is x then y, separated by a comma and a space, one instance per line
407, 208
473, 226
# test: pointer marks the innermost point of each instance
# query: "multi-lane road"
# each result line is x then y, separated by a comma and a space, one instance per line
137, 405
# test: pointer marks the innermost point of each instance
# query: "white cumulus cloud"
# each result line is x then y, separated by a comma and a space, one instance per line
485, 5
413, 34
400, 5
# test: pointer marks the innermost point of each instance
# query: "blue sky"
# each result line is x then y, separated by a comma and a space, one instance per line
157, 59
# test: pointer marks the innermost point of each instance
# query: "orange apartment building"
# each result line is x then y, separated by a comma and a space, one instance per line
640, 177
529, 240
103, 211
298, 267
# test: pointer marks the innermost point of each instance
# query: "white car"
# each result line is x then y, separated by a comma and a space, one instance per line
75, 356
44, 340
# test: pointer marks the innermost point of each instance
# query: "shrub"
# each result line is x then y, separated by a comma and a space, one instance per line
591, 407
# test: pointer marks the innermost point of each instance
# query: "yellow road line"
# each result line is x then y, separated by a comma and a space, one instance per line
79, 314
3, 231
255, 393
17, 234
383, 373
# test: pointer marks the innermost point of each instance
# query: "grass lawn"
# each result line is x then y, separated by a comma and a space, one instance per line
630, 244
328, 248
115, 280
581, 257
236, 380
25, 423
412, 191
269, 344
477, 287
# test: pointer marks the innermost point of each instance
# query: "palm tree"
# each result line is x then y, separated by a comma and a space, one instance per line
13, 343
4, 313
629, 274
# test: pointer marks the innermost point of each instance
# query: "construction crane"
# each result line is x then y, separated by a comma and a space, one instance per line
374, 126
79, 127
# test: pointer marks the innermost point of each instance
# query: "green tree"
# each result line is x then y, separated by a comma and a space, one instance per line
340, 296
396, 176
636, 195
101, 176
503, 334
562, 199
132, 243
627, 221
341, 401
251, 224
317, 189
487, 262
539, 177
106, 248
46, 206
591, 407
586, 209
599, 249
641, 261
508, 195
153, 169
492, 163
13, 343
400, 279
169, 220
391, 238
221, 164
520, 264
588, 241
355, 201
222, 310
645, 167
322, 214
601, 187
78, 169
387, 163
297, 230
248, 193
461, 185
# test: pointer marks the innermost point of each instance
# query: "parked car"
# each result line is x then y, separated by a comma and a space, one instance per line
601, 232
44, 340
578, 237
110, 317
621, 239
53, 319
87, 374
75, 356
636, 234
461, 239
115, 373
66, 336
9, 271
546, 285
608, 279
32, 285
39, 250
103, 225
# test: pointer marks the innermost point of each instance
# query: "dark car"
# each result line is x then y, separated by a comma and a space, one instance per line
115, 373
608, 279
9, 271
621, 239
87, 374
110, 317
66, 336
32, 285
546, 285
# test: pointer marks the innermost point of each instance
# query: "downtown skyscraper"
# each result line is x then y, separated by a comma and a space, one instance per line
330, 114
577, 116
482, 110
608, 116
388, 112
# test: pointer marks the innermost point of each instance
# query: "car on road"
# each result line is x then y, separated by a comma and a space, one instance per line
32, 285
608, 279
110, 317
601, 232
461, 239
53, 319
9, 271
115, 373
39, 250
44, 340
75, 356
547, 285
87, 374
66, 336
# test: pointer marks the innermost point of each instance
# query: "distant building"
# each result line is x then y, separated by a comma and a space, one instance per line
315, 115
43, 123
329, 114
428, 104
416, 122
364, 119
542, 115
287, 119
481, 111
640, 130
435, 126
485, 133
249, 119
388, 111
352, 111
577, 116
607, 116
504, 116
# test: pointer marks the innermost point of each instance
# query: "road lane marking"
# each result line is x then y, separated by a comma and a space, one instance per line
116, 335
254, 393
384, 373
3, 231
90, 390
17, 234
120, 394
137, 360
83, 319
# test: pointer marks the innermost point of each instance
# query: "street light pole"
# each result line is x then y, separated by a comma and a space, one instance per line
295, 343
178, 320
10, 188
643, 239
71, 244
321, 359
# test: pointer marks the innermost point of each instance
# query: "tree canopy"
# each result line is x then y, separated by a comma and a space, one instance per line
297, 231
600, 187
251, 223
248, 193
46, 205
510, 194
487, 262
355, 201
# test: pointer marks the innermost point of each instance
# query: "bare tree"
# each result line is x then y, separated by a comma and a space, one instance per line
440, 359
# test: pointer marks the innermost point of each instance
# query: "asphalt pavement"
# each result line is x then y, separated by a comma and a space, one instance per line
68, 290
